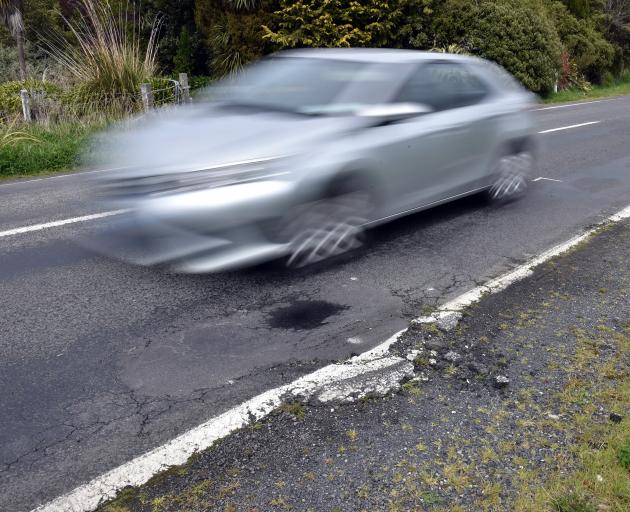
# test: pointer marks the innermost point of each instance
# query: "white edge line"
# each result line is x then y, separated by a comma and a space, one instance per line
579, 104
569, 127
56, 223
540, 178
56, 176
177, 451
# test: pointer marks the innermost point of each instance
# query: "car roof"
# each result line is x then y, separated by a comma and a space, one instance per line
381, 55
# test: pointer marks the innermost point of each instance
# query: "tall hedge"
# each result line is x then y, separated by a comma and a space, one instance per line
335, 23
515, 33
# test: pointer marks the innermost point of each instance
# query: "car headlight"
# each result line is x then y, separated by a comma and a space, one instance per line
231, 174
221, 175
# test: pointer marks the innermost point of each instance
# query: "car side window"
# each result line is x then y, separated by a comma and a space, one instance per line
443, 86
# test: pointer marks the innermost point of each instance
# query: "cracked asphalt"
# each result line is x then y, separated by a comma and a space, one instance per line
452, 439
101, 361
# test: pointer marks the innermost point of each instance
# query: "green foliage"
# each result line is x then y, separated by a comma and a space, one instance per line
623, 454
572, 503
106, 58
10, 103
587, 47
42, 149
570, 76
515, 34
579, 8
336, 23
233, 35
416, 31
183, 60
197, 82
163, 90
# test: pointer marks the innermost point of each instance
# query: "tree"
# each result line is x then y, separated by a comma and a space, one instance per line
11, 15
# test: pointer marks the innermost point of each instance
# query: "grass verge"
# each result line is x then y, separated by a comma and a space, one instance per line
42, 150
616, 88
595, 475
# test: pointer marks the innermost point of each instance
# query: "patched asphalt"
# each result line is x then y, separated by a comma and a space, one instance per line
481, 426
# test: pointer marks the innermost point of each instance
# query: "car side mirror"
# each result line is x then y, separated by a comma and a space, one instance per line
393, 112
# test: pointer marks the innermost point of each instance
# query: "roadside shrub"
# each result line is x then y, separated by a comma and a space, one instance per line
570, 76
10, 103
515, 34
197, 82
587, 47
107, 58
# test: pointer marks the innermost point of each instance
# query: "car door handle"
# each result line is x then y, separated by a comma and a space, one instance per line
458, 127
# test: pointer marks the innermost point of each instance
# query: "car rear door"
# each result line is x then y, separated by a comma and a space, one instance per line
444, 153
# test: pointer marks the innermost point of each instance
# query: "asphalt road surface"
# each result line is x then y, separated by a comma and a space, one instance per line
101, 361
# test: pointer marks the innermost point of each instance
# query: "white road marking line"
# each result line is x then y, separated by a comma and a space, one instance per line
139, 470
540, 178
56, 223
453, 309
570, 126
78, 173
579, 104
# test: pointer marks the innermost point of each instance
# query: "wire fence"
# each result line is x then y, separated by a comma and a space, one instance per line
56, 106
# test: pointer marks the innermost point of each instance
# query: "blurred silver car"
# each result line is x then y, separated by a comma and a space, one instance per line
301, 152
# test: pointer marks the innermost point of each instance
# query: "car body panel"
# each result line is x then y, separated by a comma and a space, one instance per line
218, 178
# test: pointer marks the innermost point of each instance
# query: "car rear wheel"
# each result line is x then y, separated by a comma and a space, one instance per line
511, 177
328, 227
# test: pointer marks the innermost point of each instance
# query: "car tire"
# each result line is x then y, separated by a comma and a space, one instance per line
511, 175
328, 227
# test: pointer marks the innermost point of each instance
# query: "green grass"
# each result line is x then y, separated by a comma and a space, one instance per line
616, 88
46, 150
597, 475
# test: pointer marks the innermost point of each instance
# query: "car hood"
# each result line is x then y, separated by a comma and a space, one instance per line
205, 136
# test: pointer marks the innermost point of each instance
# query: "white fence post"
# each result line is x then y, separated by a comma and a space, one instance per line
183, 82
26, 105
147, 96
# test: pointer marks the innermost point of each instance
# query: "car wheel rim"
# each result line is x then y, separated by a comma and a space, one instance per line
328, 228
514, 171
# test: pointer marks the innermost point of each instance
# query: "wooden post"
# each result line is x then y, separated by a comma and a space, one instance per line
147, 96
26, 105
183, 83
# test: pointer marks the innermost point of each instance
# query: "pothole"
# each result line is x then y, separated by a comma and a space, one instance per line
303, 314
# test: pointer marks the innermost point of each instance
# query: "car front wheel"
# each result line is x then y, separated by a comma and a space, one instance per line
328, 227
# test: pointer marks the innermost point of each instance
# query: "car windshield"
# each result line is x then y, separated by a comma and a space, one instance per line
306, 85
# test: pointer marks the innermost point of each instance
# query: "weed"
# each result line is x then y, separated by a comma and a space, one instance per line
280, 502
295, 409
623, 454
228, 490
412, 388
572, 503
363, 492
